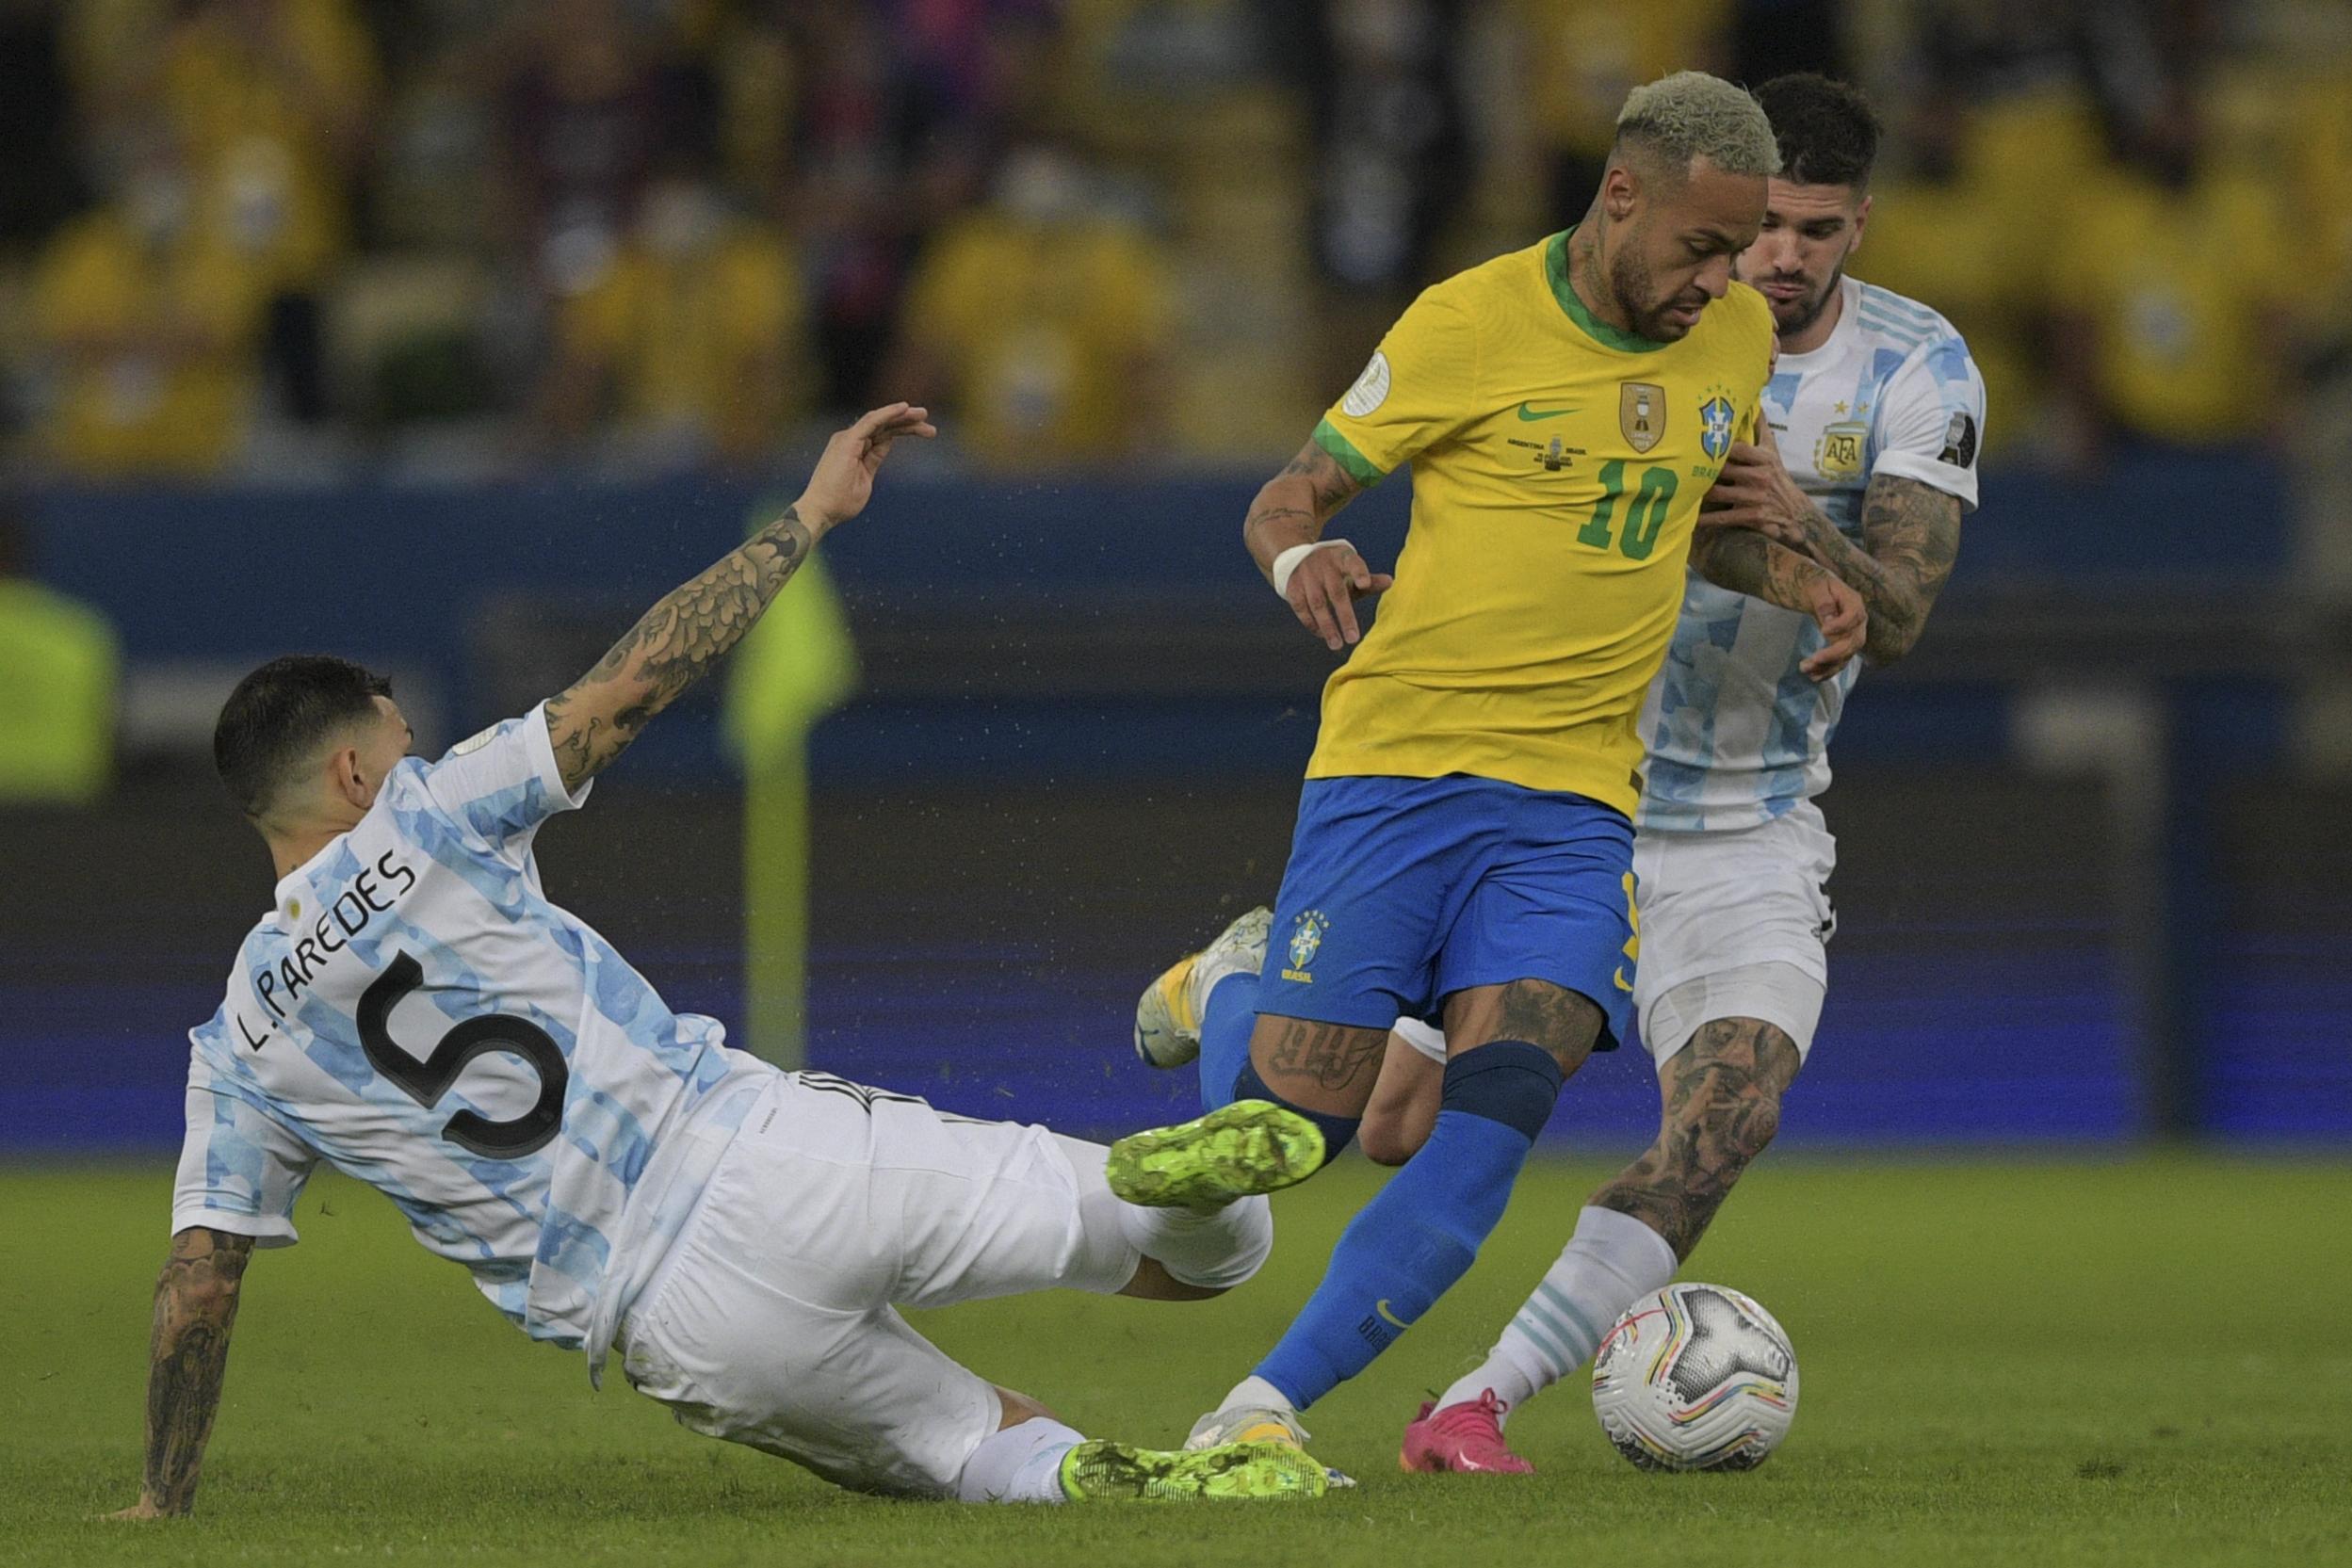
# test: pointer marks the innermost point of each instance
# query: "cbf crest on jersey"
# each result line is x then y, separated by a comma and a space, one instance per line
1715, 418
1642, 414
1307, 939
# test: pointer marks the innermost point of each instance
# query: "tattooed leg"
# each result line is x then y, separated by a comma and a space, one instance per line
1722, 1095
1422, 1231
1326, 1068
1552, 1017
1722, 1105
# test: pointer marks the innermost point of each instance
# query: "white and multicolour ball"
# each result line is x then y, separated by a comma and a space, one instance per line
1695, 1377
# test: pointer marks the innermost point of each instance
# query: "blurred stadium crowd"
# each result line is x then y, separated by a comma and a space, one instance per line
269, 265
451, 240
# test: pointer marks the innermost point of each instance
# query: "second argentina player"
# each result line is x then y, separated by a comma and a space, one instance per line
1464, 841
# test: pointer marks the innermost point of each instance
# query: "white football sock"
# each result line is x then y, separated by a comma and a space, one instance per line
1613, 1261
1018, 1464
1215, 1250
1256, 1393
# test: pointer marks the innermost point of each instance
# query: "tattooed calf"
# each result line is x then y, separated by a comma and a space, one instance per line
1722, 1108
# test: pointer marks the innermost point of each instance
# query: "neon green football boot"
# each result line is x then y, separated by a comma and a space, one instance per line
1113, 1472
1168, 1018
1247, 1147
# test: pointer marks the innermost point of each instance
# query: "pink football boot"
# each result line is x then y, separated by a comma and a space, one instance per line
1467, 1436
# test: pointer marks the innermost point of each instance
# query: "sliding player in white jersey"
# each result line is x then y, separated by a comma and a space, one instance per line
1875, 412
415, 1011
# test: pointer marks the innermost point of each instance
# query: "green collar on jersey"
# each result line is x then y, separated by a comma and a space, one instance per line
1556, 273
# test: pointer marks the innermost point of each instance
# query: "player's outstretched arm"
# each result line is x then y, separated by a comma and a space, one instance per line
675, 644
1746, 562
195, 1310
1291, 510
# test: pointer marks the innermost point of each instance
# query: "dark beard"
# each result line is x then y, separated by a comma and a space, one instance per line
1820, 303
1632, 281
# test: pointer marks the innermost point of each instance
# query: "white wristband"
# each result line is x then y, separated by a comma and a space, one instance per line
1288, 560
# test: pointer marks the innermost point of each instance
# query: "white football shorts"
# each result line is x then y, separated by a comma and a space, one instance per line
772, 1321
1733, 924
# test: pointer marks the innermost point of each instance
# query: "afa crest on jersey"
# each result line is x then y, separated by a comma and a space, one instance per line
1715, 418
1307, 939
1839, 454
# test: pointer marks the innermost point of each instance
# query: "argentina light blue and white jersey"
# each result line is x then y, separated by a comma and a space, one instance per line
1737, 732
418, 1013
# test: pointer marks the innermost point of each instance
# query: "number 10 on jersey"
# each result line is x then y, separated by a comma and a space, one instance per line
1643, 516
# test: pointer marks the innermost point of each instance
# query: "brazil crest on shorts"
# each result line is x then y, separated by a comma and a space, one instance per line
1558, 464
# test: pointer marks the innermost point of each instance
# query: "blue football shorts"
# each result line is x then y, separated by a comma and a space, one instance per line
1400, 892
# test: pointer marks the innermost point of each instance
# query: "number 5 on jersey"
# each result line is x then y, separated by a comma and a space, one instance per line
427, 1080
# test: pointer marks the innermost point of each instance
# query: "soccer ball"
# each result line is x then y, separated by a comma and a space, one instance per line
1695, 1377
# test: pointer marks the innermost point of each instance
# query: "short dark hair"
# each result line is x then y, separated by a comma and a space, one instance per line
279, 715
1828, 131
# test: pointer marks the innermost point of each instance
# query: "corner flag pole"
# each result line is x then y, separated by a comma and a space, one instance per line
795, 666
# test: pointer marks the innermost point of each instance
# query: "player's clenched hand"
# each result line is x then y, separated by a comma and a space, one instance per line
1754, 491
1324, 590
1844, 625
844, 479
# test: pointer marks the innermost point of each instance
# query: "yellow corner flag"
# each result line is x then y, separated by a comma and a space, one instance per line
795, 666
59, 671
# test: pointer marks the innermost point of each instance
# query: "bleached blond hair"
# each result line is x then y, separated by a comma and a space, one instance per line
1691, 115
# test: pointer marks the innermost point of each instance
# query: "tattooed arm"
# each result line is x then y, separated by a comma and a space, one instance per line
1746, 562
1291, 510
675, 644
1911, 536
195, 1310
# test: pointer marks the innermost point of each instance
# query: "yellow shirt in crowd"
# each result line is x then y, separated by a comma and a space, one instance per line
1042, 326
253, 127
708, 338
1940, 242
1558, 464
1582, 56
2180, 284
154, 348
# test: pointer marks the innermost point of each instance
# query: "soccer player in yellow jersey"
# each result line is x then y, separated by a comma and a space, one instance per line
1464, 843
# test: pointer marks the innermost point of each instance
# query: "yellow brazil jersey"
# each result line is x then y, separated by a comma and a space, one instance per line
1557, 465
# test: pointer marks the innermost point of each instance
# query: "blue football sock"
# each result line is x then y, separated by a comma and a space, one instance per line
1410, 1244
1338, 1131
1227, 1019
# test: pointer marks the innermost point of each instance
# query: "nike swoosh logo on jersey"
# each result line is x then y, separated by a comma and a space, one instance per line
1532, 416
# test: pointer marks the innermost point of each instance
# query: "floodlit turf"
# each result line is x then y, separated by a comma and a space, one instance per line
2130, 1362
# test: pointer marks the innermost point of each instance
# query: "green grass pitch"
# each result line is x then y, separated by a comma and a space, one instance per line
2129, 1362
